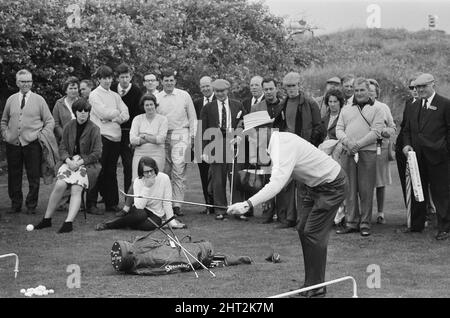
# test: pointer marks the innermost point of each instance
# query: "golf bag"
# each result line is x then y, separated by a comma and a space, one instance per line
149, 256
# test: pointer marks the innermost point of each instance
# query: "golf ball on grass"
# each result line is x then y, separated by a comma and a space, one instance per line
41, 290
30, 227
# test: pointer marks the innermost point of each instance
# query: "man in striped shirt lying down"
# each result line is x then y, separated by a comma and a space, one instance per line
294, 157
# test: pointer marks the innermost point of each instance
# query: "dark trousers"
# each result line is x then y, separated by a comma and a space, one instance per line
400, 158
17, 156
285, 203
438, 178
219, 173
203, 167
126, 153
136, 219
107, 179
315, 225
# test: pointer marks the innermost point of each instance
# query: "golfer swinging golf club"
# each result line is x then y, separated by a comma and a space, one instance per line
293, 157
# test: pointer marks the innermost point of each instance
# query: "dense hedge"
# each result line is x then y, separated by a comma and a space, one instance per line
234, 39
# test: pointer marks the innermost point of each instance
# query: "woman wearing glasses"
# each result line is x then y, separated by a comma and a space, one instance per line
142, 213
80, 150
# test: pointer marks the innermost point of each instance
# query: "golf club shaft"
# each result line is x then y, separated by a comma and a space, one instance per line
175, 201
189, 253
185, 255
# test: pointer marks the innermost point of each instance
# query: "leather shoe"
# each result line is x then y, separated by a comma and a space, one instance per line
14, 210
113, 208
220, 217
442, 236
177, 211
318, 292
285, 225
365, 232
267, 221
94, 210
31, 210
346, 230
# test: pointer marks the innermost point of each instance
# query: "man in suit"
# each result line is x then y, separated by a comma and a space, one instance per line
347, 88
399, 156
131, 96
220, 119
208, 96
26, 115
427, 132
300, 115
256, 91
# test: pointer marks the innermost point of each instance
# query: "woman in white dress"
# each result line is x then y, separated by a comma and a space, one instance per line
148, 134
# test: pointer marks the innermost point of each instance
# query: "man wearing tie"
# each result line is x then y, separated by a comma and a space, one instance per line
257, 93
203, 167
25, 116
220, 118
427, 132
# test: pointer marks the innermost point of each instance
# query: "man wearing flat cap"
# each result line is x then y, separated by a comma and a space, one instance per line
292, 157
427, 132
220, 119
332, 83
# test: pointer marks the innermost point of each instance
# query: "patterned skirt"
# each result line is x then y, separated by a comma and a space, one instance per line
78, 177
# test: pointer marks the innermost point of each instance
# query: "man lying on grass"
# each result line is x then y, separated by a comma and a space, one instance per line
326, 183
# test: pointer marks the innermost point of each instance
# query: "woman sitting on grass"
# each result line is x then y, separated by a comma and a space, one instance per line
80, 150
138, 213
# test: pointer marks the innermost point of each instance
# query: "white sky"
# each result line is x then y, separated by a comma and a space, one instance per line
335, 15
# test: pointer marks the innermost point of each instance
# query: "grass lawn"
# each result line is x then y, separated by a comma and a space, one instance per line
411, 265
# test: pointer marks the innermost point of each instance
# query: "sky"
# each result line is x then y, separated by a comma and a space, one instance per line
337, 15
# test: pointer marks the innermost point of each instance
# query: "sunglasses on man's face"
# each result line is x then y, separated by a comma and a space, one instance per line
86, 110
412, 87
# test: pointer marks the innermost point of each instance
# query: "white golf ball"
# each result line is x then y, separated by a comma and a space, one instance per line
30, 290
45, 292
30, 227
23, 291
28, 294
41, 287
51, 291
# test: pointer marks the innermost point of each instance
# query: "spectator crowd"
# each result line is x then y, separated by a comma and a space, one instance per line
156, 133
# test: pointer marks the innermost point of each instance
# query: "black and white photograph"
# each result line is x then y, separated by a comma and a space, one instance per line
220, 155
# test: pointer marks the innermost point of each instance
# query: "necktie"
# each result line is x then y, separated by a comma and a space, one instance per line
224, 116
122, 92
256, 101
425, 102
22, 105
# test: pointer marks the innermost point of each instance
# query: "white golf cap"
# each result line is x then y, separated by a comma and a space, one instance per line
256, 119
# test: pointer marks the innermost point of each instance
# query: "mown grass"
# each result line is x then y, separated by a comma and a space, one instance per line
414, 265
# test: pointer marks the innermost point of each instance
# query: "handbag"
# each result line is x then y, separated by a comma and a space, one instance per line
391, 151
252, 180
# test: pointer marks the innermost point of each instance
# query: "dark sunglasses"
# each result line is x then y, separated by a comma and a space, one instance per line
412, 87
148, 172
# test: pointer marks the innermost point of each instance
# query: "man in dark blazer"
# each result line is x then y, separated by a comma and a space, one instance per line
203, 167
427, 132
257, 93
220, 119
399, 156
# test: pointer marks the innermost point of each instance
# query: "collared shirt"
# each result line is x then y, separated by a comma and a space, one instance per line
69, 108
122, 91
207, 100
293, 157
257, 100
179, 109
26, 96
429, 99
227, 107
